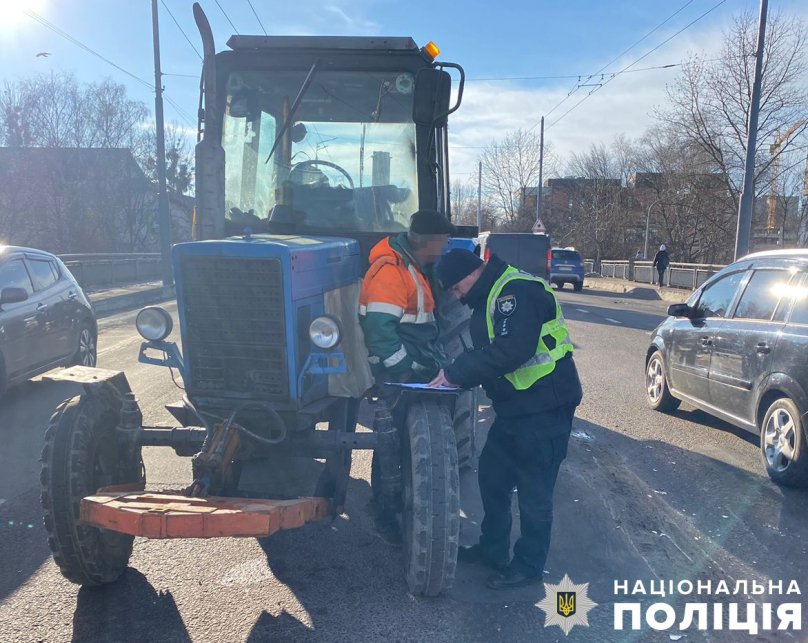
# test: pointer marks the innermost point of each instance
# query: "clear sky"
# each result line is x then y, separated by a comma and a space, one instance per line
493, 39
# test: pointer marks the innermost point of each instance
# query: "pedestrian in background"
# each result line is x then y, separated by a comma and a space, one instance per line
661, 263
523, 357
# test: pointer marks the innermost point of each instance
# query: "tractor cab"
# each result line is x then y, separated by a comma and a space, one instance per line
336, 136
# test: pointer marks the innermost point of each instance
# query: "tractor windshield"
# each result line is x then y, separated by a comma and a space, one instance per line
346, 161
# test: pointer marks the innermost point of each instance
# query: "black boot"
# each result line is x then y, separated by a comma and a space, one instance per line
512, 577
477, 555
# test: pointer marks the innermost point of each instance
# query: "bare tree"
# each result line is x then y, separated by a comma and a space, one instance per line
599, 206
710, 99
510, 166
179, 160
464, 206
55, 110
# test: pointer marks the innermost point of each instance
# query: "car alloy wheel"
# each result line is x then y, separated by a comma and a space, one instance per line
654, 380
779, 440
87, 354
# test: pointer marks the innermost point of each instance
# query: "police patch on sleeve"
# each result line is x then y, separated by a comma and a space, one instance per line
506, 305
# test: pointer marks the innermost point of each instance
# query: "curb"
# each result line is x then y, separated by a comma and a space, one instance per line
117, 303
639, 292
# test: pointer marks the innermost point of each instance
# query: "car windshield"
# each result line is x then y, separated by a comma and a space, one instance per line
346, 161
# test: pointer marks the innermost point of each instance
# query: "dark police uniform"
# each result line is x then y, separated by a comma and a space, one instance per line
528, 439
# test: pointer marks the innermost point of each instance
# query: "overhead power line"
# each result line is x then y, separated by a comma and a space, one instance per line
579, 84
249, 2
165, 6
561, 77
49, 25
46, 23
226, 16
645, 55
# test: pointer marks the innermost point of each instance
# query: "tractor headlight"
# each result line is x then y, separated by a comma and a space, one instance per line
324, 332
154, 323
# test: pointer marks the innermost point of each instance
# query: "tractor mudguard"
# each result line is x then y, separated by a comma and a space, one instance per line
91, 377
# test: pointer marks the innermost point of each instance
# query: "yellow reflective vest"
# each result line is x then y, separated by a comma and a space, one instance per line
544, 360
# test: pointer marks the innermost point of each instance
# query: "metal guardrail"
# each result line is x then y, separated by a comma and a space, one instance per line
678, 275
105, 270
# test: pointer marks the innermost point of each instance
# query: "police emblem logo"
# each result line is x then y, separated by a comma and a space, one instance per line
566, 604
506, 305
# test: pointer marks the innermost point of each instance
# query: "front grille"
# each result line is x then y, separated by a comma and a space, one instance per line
235, 336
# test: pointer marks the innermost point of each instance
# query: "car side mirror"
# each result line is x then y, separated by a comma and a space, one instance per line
12, 295
680, 310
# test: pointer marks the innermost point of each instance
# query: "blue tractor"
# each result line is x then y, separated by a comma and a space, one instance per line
311, 150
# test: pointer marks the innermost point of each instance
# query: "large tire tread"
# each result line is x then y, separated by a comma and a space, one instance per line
434, 530
465, 426
85, 555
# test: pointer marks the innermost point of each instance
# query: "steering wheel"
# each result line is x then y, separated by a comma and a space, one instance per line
300, 167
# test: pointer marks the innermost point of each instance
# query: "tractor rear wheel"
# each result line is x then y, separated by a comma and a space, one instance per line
431, 512
80, 456
465, 426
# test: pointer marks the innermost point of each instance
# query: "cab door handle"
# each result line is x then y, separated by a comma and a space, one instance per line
41, 308
72, 295
706, 341
763, 348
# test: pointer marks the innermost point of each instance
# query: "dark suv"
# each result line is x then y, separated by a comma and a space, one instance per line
567, 267
45, 318
738, 349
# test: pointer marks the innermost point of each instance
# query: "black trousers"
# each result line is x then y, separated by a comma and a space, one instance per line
525, 453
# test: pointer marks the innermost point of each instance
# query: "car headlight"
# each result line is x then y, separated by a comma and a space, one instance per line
154, 323
324, 332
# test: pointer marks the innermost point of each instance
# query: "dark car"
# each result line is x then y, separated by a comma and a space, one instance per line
738, 349
525, 250
45, 318
567, 267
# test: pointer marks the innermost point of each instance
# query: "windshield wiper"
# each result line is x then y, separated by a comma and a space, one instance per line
303, 88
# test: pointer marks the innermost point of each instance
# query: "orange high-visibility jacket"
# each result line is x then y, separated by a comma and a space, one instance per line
397, 312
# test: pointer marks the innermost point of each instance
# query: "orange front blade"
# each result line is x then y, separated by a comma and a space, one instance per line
155, 515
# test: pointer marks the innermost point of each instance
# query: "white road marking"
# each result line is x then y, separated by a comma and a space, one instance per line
582, 310
614, 321
1, 502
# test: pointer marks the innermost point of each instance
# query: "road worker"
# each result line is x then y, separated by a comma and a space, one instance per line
396, 304
523, 358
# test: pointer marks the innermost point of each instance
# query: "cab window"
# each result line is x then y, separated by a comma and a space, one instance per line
716, 298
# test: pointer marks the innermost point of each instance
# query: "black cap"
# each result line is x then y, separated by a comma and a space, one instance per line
430, 222
455, 266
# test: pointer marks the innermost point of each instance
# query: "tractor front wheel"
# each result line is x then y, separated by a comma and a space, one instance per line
431, 512
81, 455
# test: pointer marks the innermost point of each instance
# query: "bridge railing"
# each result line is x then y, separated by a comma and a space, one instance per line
678, 275
109, 270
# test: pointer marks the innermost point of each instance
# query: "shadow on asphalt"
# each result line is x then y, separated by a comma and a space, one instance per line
24, 414
702, 417
599, 314
128, 610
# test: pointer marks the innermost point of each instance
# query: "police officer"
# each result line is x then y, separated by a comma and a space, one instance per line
523, 358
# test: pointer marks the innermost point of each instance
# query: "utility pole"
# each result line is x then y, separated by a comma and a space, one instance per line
539, 203
748, 195
479, 196
162, 195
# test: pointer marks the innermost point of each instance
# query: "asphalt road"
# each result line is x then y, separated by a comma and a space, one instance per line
641, 496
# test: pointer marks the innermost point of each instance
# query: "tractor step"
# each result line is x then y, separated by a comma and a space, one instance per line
160, 515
